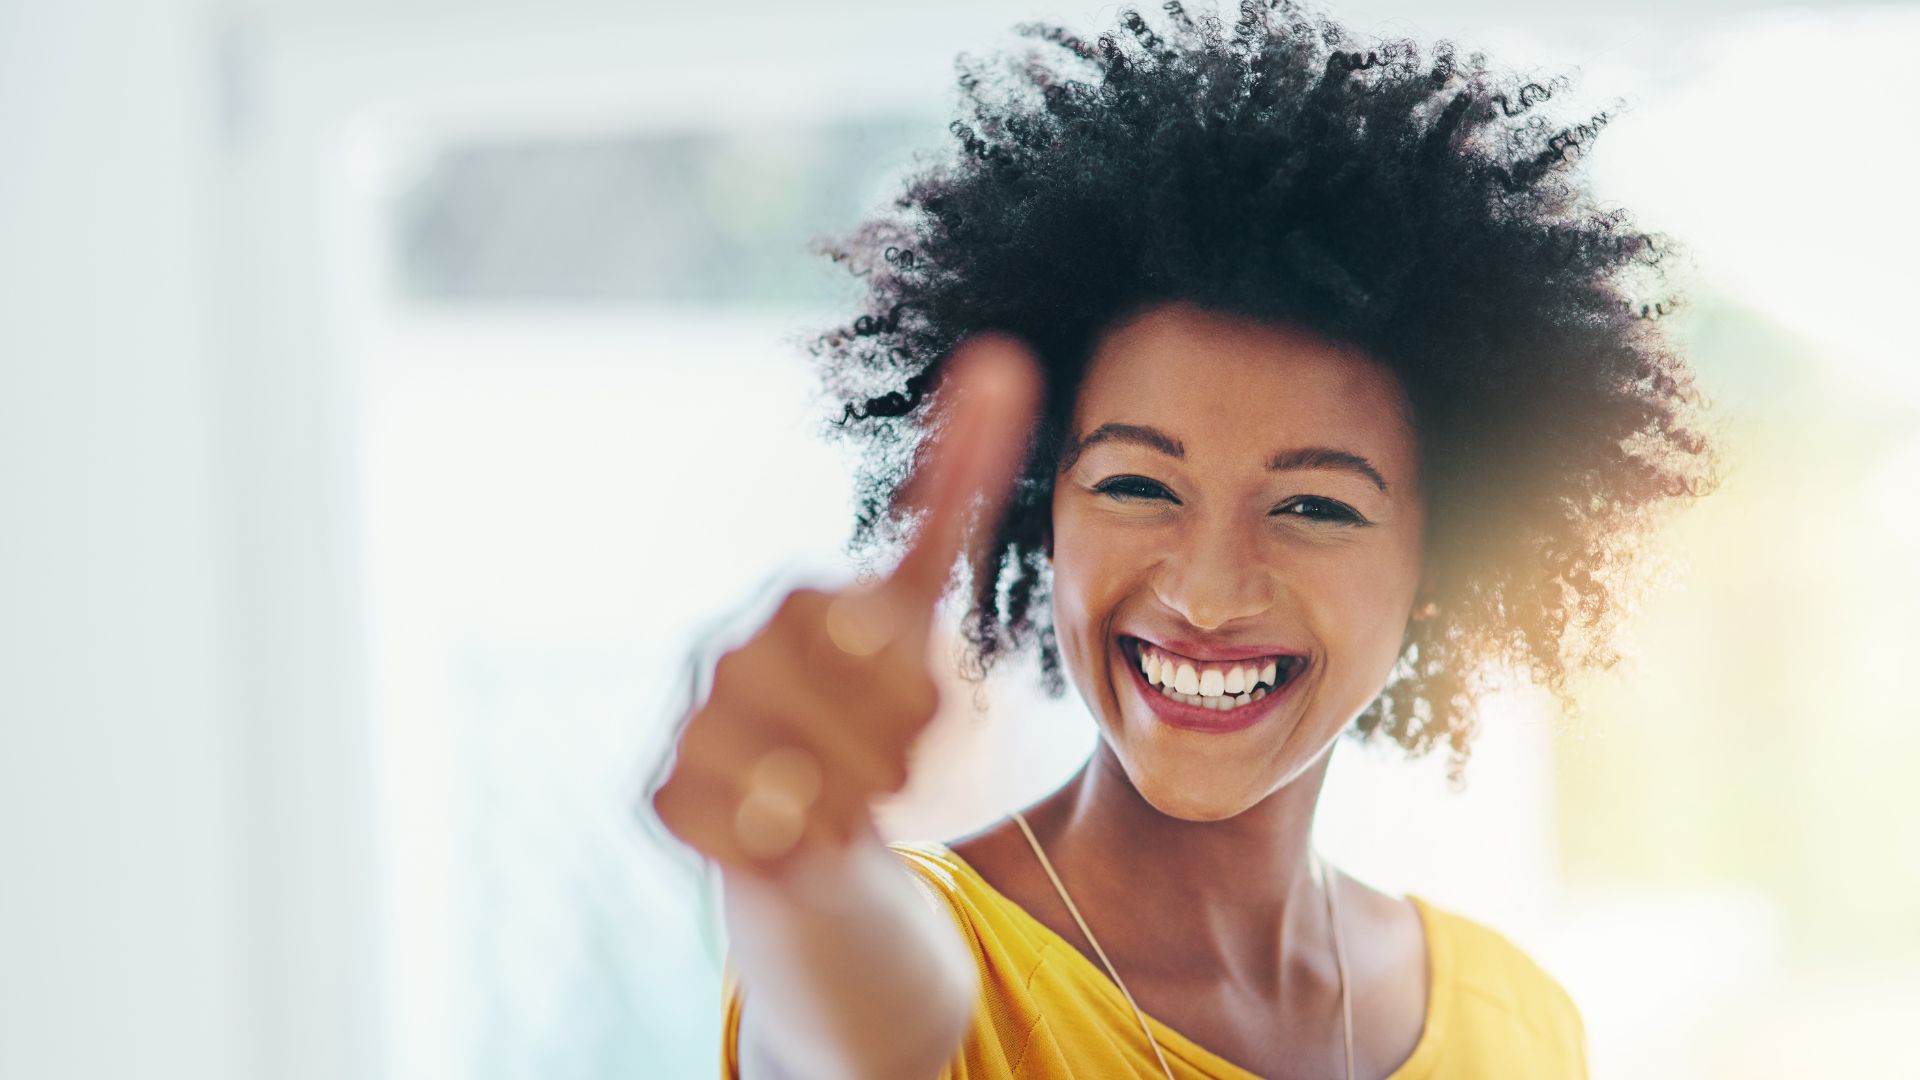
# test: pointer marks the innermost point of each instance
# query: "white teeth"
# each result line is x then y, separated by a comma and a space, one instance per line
1212, 688
1219, 704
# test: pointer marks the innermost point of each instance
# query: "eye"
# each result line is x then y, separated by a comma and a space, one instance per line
1314, 508
1134, 487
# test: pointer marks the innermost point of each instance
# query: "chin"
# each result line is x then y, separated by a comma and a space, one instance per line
1197, 792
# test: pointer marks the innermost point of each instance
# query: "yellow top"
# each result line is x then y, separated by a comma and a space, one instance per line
1046, 1012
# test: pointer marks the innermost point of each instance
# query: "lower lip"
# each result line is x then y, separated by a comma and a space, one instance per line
1199, 717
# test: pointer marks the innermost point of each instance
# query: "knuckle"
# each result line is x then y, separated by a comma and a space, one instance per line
732, 666
665, 803
925, 695
857, 773
697, 731
798, 603
917, 698
894, 774
693, 745
727, 665
712, 738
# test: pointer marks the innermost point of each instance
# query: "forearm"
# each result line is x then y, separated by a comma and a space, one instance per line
846, 969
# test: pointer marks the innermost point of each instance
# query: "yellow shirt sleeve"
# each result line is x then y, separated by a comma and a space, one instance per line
1046, 1012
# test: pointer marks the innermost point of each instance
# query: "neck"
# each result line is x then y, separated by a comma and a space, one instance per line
1234, 899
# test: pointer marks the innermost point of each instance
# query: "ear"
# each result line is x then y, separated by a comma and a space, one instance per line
1424, 604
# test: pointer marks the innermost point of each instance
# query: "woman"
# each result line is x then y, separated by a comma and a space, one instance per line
1305, 388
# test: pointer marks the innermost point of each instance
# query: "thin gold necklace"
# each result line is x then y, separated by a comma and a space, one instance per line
1333, 917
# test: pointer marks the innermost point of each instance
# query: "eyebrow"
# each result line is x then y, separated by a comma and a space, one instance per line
1326, 457
1138, 434
1304, 457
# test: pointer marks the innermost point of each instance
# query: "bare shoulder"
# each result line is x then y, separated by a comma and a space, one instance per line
1381, 919
1387, 957
1000, 855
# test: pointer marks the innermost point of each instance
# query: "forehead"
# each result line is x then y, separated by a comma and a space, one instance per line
1212, 378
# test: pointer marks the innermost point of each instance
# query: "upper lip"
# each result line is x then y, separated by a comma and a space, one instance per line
1209, 650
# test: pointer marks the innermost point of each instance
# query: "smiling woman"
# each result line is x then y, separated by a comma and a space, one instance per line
1176, 531
1346, 404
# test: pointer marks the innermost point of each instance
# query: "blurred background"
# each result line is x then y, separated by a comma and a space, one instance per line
390, 394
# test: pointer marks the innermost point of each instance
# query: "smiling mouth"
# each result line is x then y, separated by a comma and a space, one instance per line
1220, 685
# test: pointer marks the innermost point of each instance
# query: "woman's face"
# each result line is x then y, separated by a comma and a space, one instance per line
1200, 522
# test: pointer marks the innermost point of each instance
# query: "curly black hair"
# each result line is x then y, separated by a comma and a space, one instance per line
1412, 204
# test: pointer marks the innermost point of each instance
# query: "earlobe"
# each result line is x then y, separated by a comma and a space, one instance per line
1424, 605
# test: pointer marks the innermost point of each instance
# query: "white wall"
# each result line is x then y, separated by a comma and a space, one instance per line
124, 921
183, 869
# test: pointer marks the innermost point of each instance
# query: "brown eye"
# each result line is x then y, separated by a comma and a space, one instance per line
1314, 508
1134, 487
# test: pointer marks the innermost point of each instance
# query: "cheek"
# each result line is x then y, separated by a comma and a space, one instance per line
1362, 610
1077, 588
1092, 574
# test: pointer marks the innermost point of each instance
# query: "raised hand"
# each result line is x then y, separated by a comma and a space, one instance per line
815, 715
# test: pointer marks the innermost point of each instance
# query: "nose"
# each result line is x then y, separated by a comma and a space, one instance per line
1215, 577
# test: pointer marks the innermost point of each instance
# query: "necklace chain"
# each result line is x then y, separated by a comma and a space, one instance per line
1333, 917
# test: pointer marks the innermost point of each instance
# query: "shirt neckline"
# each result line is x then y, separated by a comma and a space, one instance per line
1417, 1065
